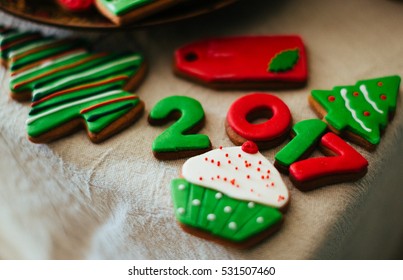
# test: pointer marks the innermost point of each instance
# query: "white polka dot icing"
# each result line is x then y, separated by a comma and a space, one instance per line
238, 174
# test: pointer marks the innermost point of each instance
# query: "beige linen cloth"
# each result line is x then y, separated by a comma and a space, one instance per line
75, 199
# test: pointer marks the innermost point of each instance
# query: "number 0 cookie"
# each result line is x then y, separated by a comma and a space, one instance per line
71, 87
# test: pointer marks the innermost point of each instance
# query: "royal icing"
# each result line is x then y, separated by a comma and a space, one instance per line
344, 160
254, 59
262, 105
121, 7
66, 80
177, 137
363, 109
306, 134
219, 214
239, 175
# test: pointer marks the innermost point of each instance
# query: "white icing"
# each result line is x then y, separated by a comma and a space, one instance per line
218, 195
90, 72
255, 189
364, 91
211, 217
343, 93
227, 209
196, 202
232, 225
46, 64
64, 106
30, 46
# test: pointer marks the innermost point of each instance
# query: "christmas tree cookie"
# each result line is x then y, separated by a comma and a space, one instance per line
360, 112
233, 196
71, 87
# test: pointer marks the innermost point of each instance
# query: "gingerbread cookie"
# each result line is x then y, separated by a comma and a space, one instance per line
306, 135
239, 123
178, 140
233, 196
71, 87
342, 163
358, 112
123, 12
244, 62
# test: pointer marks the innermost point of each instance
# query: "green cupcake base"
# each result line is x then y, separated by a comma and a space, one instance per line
215, 213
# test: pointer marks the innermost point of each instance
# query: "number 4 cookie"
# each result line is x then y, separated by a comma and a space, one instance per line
358, 112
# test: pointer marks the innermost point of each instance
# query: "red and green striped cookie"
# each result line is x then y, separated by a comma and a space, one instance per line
71, 87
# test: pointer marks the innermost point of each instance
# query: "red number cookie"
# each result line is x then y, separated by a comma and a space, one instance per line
342, 164
255, 106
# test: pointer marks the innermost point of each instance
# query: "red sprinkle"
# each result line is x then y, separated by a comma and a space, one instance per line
233, 181
380, 84
272, 184
268, 171
248, 176
236, 168
220, 147
383, 97
212, 178
201, 178
366, 113
229, 162
225, 179
251, 190
239, 155
267, 177
262, 176
356, 93
331, 98
218, 163
226, 155
206, 159
258, 169
212, 161
218, 176
260, 162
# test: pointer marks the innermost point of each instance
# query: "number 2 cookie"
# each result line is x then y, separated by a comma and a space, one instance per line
233, 196
71, 87
358, 112
244, 62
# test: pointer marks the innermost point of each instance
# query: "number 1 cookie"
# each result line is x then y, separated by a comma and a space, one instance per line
71, 87
244, 62
358, 112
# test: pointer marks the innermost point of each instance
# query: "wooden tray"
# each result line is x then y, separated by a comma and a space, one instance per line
48, 12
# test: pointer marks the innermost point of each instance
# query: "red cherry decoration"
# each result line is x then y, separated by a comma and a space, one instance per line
250, 147
76, 5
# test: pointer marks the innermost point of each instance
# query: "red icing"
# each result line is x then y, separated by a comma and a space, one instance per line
347, 160
276, 126
93, 107
250, 148
243, 59
76, 5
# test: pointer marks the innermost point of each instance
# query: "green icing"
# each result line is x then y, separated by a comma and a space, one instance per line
283, 61
219, 214
120, 7
52, 120
175, 138
48, 78
362, 109
307, 133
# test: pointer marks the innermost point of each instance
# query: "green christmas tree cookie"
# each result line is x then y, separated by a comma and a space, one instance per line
359, 112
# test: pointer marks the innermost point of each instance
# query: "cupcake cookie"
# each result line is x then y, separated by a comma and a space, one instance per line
233, 196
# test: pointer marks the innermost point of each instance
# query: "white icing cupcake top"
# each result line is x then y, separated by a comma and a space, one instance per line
239, 172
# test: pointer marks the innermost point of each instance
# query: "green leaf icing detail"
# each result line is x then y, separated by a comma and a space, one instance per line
307, 134
218, 214
284, 61
176, 137
362, 109
66, 80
